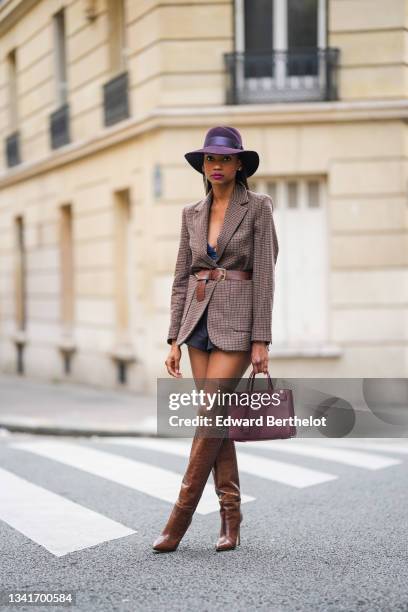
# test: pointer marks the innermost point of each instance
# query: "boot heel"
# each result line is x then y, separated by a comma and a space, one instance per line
238, 538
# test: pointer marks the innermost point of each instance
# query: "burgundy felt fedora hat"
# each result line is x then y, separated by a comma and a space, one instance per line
224, 139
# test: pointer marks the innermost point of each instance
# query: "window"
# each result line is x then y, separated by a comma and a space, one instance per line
300, 312
302, 23
280, 50
122, 261
258, 24
258, 37
12, 141
67, 268
60, 57
117, 51
20, 274
59, 118
12, 90
115, 91
266, 25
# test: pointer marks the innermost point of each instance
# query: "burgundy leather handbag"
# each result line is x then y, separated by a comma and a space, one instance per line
269, 422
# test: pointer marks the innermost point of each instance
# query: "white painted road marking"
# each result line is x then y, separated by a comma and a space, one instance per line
361, 444
56, 523
356, 458
269, 469
154, 481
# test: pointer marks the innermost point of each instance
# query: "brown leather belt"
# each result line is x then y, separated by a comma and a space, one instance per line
217, 274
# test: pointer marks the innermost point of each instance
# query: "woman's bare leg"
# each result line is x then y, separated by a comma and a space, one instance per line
225, 469
198, 362
230, 366
204, 450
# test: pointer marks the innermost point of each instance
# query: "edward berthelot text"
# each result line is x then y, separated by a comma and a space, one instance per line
230, 421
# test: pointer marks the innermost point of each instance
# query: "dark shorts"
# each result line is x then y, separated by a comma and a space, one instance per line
199, 337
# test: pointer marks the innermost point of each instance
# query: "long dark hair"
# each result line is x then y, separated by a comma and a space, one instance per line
240, 177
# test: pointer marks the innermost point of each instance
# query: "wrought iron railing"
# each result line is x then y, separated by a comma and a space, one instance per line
115, 99
13, 156
59, 127
302, 74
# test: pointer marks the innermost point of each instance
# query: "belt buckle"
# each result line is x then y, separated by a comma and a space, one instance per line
224, 273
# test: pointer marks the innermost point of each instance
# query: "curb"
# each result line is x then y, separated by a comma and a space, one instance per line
72, 431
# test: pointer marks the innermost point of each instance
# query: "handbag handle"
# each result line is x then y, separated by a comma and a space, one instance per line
251, 381
249, 390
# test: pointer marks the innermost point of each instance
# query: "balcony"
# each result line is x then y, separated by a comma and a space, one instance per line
115, 99
59, 127
13, 149
297, 75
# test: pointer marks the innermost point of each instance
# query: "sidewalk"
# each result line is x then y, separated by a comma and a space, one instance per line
28, 405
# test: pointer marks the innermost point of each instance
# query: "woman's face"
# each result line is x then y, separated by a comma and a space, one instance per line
221, 169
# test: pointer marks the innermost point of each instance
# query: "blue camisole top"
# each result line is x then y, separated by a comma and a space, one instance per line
211, 251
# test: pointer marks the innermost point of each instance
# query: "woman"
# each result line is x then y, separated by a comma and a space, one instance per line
221, 307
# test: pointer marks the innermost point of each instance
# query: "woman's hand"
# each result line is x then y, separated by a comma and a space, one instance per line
259, 357
173, 361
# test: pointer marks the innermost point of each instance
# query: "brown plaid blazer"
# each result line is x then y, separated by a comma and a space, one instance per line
239, 311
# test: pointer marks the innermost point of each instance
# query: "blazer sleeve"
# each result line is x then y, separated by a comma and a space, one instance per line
180, 282
263, 272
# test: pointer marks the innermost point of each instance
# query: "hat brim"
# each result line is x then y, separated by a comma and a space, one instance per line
250, 159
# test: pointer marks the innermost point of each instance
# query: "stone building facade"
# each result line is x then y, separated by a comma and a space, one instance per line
99, 101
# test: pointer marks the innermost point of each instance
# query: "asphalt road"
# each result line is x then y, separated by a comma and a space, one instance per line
324, 529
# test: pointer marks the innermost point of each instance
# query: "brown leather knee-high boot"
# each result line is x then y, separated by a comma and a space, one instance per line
202, 456
227, 487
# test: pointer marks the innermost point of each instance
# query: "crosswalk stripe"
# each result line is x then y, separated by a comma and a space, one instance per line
154, 481
365, 460
269, 469
376, 446
57, 524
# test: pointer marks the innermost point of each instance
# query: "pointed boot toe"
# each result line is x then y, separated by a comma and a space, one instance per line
165, 544
177, 525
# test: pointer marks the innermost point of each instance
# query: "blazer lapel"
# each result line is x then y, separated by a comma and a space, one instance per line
201, 226
236, 210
